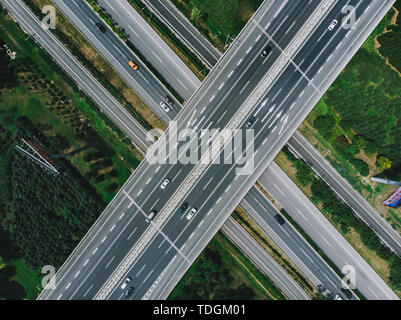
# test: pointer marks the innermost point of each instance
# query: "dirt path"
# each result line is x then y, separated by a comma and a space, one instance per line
378, 45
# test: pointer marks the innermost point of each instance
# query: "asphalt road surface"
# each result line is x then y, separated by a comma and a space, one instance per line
291, 242
258, 255
294, 91
118, 54
88, 84
153, 47
323, 233
362, 208
184, 30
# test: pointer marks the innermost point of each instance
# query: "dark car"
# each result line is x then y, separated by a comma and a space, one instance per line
250, 122
279, 219
101, 27
266, 52
183, 207
169, 101
128, 293
347, 293
320, 288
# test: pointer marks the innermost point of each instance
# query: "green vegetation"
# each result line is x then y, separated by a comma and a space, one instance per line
390, 41
223, 272
44, 214
218, 20
50, 214
346, 221
93, 63
363, 103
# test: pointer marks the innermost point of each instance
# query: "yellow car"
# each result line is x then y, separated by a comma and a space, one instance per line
133, 65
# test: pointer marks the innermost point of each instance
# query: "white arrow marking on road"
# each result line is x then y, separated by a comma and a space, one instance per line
284, 120
270, 111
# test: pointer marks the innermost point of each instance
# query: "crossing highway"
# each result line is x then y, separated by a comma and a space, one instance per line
179, 23
118, 54
153, 47
178, 241
258, 255
290, 241
323, 233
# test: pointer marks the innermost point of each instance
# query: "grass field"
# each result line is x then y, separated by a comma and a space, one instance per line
223, 272
220, 18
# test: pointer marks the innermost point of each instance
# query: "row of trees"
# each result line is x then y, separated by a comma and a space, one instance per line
50, 213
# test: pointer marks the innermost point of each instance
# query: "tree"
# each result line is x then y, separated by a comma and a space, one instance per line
361, 166
3, 264
383, 163
8, 77
196, 14
324, 124
360, 142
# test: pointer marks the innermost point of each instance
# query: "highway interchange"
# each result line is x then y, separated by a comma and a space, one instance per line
247, 72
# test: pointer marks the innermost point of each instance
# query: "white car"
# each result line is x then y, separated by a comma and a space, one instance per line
125, 283
191, 213
332, 25
337, 297
165, 183
164, 106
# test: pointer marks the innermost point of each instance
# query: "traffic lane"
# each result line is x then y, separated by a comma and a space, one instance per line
344, 38
290, 19
338, 36
253, 69
147, 268
161, 56
109, 248
314, 42
354, 200
187, 32
213, 175
325, 41
291, 242
108, 257
330, 241
258, 255
144, 83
